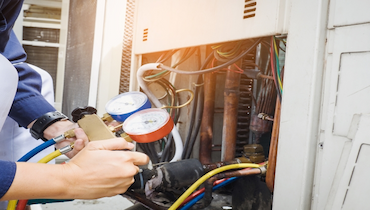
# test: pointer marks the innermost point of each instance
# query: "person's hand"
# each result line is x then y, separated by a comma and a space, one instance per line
62, 126
97, 171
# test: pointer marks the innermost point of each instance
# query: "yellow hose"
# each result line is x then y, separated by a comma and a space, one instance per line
207, 176
50, 156
13, 203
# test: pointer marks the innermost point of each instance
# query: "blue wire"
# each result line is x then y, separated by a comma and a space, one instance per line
36, 150
200, 196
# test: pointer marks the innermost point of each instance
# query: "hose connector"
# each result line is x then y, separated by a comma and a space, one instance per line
67, 148
263, 169
59, 138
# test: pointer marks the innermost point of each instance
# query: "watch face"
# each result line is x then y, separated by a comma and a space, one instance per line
146, 121
126, 103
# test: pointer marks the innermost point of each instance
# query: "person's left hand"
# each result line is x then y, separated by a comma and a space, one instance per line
62, 126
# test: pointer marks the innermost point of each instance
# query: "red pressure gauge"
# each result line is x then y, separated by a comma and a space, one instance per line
148, 125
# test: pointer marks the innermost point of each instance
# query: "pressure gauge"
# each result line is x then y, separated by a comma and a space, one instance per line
148, 125
125, 104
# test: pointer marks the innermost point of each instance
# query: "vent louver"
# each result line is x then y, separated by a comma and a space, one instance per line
145, 35
250, 7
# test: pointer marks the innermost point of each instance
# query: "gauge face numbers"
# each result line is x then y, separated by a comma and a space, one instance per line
146, 121
126, 103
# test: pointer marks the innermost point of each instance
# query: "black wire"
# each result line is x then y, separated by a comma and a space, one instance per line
192, 118
152, 150
166, 151
196, 110
214, 68
152, 155
197, 125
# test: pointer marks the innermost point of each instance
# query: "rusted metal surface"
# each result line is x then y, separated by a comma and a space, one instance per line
206, 129
270, 174
259, 126
231, 102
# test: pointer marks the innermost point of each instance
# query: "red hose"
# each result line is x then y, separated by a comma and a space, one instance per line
21, 205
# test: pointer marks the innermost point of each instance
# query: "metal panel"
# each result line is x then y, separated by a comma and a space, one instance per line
344, 94
344, 12
166, 24
79, 54
353, 89
359, 186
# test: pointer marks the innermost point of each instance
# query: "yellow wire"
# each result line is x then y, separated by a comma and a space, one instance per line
183, 105
13, 203
277, 53
207, 176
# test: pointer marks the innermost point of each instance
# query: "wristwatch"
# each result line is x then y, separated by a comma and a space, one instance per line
37, 129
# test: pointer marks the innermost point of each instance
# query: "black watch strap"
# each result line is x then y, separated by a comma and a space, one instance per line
37, 129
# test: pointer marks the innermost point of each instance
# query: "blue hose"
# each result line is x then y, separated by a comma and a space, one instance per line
200, 196
36, 150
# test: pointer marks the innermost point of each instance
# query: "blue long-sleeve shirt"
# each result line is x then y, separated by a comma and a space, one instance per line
7, 172
28, 103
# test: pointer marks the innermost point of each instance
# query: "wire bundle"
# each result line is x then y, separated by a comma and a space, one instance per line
275, 67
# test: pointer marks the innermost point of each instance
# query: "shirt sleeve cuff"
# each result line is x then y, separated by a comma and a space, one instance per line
7, 174
28, 109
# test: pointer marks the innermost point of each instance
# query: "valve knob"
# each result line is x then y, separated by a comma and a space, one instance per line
80, 112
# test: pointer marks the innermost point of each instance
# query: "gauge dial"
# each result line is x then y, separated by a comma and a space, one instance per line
148, 125
125, 104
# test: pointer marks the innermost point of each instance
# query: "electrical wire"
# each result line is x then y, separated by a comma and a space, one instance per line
273, 70
201, 195
183, 105
207, 176
188, 52
278, 66
159, 66
196, 113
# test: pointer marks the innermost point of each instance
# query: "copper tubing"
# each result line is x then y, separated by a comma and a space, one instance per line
211, 166
230, 123
270, 174
206, 129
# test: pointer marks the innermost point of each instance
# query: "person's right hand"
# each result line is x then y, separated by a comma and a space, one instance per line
102, 169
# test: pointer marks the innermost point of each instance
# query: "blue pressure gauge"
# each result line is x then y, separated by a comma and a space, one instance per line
122, 106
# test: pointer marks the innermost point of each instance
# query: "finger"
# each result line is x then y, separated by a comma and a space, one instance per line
80, 134
111, 144
138, 158
78, 145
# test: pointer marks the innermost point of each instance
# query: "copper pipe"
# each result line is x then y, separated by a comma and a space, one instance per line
206, 129
270, 174
211, 166
230, 123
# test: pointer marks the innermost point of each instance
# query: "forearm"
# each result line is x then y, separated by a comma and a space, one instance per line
36, 180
